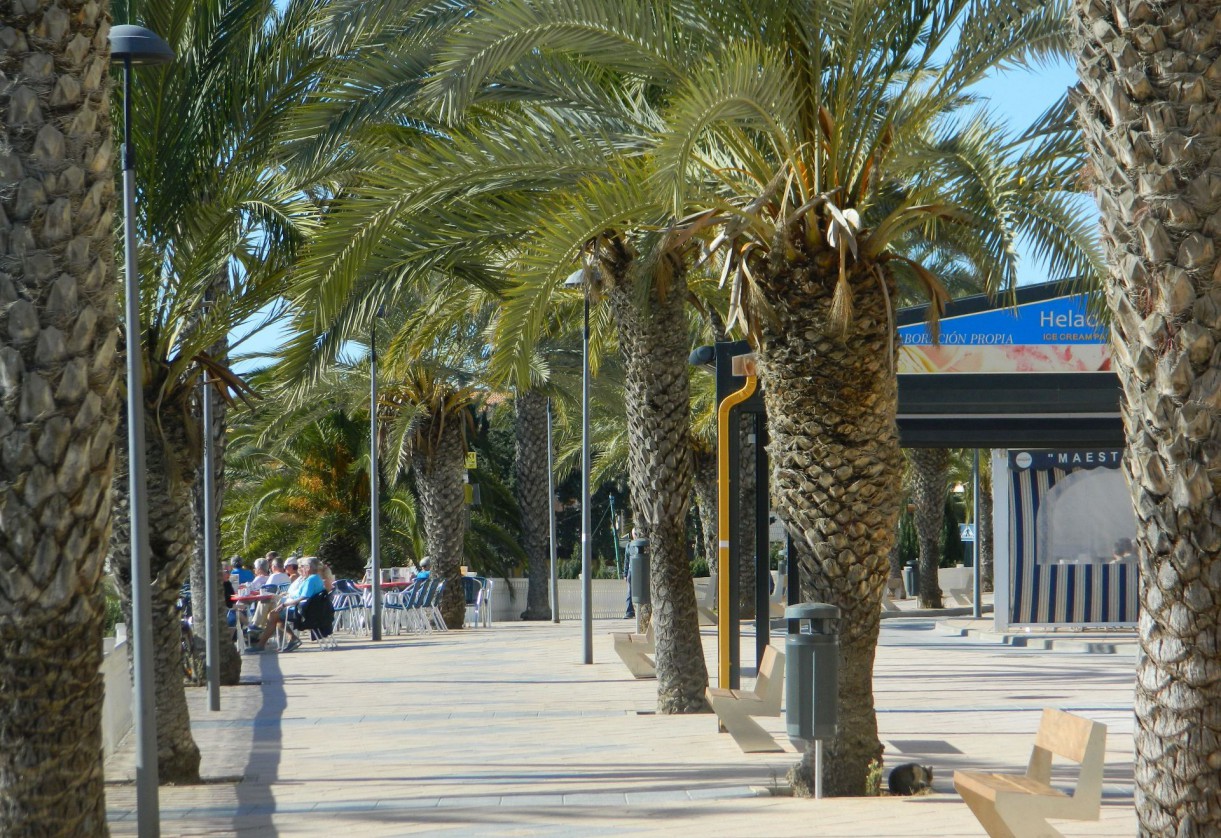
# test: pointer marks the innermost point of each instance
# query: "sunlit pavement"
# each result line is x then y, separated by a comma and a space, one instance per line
502, 731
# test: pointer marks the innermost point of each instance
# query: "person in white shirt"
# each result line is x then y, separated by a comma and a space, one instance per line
260, 576
278, 576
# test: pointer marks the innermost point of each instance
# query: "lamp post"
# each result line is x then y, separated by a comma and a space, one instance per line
133, 46
581, 278
555, 582
375, 542
211, 594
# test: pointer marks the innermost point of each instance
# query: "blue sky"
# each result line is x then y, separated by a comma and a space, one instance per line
1018, 96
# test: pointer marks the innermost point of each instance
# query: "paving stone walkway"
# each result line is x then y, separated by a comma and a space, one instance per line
502, 731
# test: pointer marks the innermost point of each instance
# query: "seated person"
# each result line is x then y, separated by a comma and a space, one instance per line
277, 575
306, 585
425, 568
244, 576
260, 576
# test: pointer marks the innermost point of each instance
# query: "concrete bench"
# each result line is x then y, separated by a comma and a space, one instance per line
734, 708
1017, 805
706, 604
962, 596
635, 651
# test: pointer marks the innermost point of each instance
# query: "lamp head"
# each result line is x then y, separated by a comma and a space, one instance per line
703, 356
140, 45
576, 279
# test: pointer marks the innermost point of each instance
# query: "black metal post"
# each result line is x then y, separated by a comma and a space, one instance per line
763, 565
735, 558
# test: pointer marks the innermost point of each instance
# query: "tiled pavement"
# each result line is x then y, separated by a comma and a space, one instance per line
502, 731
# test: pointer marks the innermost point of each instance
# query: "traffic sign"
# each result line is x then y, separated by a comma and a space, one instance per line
966, 532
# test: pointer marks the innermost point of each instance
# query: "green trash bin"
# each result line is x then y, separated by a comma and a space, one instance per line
811, 668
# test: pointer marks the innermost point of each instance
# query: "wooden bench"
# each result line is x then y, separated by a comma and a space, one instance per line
635, 651
734, 708
1017, 805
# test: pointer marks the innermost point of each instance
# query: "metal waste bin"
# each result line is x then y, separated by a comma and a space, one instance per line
811, 682
909, 579
638, 570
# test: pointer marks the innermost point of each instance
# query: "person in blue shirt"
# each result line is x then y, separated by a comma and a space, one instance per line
244, 576
425, 569
303, 587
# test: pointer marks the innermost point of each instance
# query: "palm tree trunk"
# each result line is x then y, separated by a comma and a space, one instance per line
172, 528
704, 483
1151, 126
984, 534
532, 499
653, 338
438, 472
836, 463
930, 467
59, 377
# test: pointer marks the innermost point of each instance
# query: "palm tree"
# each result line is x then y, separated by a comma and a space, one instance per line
961, 460
827, 137
60, 376
1148, 114
221, 207
855, 150
929, 474
533, 498
432, 428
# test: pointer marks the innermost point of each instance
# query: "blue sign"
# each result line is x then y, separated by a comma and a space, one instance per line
1056, 335
1058, 321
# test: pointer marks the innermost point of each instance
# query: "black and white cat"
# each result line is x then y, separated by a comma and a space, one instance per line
910, 778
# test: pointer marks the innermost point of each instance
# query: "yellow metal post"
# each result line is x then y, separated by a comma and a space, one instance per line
742, 365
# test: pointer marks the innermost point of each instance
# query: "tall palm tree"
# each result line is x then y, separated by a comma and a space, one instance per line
531, 460
929, 475
849, 145
1149, 116
219, 208
60, 379
432, 429
961, 471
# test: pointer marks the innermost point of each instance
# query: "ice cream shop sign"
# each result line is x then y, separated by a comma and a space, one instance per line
1052, 335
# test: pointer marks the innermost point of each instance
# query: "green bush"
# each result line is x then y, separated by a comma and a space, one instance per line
699, 567
114, 612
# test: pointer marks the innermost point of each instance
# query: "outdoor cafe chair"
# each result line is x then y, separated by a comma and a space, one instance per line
416, 606
432, 608
349, 609
472, 588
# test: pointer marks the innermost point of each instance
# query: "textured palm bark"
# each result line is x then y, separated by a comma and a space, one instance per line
895, 562
171, 536
1151, 115
438, 471
836, 478
532, 499
653, 338
984, 534
930, 473
746, 517
59, 379
704, 484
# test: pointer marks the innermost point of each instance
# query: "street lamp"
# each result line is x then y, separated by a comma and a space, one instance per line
375, 542
580, 278
135, 45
